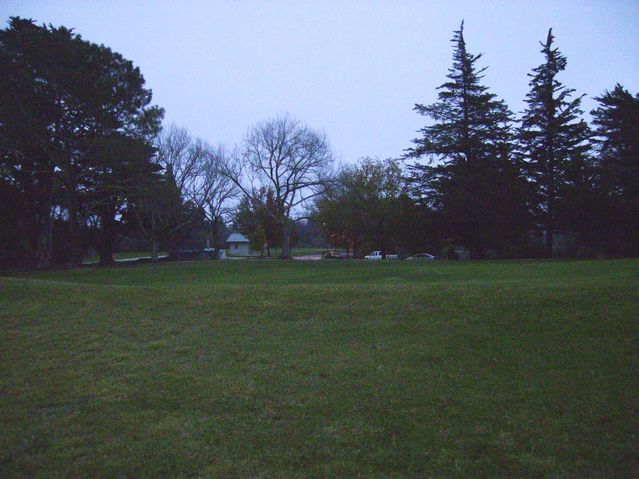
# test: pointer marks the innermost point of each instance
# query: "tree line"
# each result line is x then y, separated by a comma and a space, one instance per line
479, 180
84, 161
86, 164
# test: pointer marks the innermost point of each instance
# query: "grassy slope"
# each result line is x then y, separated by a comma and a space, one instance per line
339, 369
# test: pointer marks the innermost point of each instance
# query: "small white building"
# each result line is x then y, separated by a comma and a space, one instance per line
238, 245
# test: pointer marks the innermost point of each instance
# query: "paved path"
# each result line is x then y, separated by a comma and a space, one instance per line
127, 260
308, 257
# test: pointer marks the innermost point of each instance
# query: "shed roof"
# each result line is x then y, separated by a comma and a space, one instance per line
237, 238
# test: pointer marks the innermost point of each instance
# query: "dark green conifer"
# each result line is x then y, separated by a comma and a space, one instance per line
616, 132
554, 141
471, 179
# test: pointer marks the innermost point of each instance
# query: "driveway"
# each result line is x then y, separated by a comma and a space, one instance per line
308, 257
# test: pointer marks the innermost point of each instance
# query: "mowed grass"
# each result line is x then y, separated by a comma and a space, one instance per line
322, 369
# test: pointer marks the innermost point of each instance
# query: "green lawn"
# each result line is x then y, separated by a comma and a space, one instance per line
322, 369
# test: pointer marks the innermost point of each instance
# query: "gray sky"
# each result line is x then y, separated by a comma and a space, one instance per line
353, 69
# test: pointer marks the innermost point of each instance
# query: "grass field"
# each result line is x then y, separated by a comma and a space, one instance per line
322, 369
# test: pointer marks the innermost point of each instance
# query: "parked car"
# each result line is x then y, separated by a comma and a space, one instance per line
215, 253
421, 257
375, 255
333, 255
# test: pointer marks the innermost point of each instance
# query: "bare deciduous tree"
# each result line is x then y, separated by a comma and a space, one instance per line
212, 190
288, 157
176, 148
195, 166
158, 202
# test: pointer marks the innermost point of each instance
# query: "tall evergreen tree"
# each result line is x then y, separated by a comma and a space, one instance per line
554, 141
616, 123
470, 176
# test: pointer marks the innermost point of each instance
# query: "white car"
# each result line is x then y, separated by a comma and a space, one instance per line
375, 255
421, 257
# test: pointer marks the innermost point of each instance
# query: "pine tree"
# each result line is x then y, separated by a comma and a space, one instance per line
471, 179
159, 211
616, 123
554, 141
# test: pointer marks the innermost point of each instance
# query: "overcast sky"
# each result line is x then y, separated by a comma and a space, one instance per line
353, 69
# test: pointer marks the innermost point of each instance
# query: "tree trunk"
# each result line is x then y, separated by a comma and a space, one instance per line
154, 250
41, 259
214, 232
550, 229
107, 235
105, 244
549, 241
105, 251
74, 241
45, 238
286, 241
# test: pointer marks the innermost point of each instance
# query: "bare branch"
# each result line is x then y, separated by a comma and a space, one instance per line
286, 157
